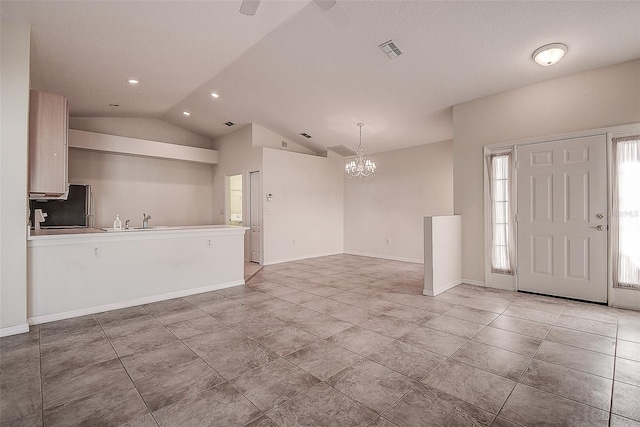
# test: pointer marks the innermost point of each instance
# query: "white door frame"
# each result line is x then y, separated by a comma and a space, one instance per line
493, 280
253, 212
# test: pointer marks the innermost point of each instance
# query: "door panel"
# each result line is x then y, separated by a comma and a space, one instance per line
256, 218
542, 201
561, 188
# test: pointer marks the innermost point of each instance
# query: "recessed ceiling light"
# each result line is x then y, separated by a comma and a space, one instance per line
549, 54
186, 113
215, 95
133, 81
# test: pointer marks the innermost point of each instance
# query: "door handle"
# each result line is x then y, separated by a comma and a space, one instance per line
598, 227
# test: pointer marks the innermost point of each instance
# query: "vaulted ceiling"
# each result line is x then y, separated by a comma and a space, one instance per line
293, 67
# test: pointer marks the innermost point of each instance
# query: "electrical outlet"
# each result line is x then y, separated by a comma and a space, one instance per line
209, 243
95, 252
388, 241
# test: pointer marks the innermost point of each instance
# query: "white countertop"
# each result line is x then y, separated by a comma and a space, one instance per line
84, 234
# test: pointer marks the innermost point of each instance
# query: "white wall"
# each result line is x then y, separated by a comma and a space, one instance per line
594, 99
409, 184
132, 269
141, 128
305, 218
442, 253
236, 155
14, 95
173, 192
263, 137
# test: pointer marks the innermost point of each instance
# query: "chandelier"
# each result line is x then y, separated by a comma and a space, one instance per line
360, 166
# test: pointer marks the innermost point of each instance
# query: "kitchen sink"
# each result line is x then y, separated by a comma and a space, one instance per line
158, 227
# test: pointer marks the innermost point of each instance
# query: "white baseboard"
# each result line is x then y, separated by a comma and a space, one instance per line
625, 298
116, 306
14, 330
473, 282
280, 261
389, 257
505, 288
441, 289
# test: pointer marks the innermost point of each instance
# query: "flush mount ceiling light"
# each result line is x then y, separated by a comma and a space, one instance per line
214, 94
186, 113
133, 81
549, 54
360, 166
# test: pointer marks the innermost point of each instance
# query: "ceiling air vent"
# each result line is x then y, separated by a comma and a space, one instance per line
390, 49
229, 123
342, 150
306, 135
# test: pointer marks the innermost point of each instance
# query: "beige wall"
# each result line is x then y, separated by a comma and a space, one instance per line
263, 137
236, 156
14, 95
409, 184
305, 218
141, 128
594, 99
173, 192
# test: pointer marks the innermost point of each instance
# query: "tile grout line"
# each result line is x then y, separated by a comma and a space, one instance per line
41, 376
613, 380
520, 377
556, 394
125, 369
204, 361
262, 413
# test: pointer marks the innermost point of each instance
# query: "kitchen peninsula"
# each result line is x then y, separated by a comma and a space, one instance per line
76, 272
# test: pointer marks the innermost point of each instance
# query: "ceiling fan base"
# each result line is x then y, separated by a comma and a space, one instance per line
250, 7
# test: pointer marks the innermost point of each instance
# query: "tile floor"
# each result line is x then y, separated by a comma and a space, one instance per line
332, 341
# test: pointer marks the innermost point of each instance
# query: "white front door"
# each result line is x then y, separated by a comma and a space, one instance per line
255, 213
562, 221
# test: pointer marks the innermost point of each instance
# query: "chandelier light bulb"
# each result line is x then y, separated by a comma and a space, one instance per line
360, 166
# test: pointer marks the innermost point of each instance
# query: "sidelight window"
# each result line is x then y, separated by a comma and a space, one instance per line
500, 192
625, 219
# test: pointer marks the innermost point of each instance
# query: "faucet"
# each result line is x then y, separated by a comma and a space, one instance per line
126, 224
145, 220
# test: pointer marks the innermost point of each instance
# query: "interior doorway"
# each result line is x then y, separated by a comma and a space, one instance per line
234, 199
562, 218
255, 217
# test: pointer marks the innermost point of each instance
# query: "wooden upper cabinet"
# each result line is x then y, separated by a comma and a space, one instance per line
48, 145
